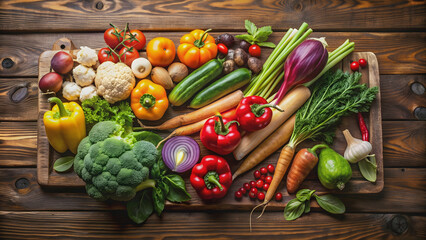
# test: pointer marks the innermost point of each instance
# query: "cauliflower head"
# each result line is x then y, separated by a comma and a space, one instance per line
83, 75
114, 165
88, 93
71, 91
115, 81
87, 56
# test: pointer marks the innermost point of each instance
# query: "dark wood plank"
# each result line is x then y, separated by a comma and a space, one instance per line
69, 15
19, 191
208, 225
397, 53
18, 99
398, 98
18, 147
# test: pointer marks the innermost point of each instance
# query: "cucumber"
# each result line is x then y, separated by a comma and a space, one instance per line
195, 81
221, 87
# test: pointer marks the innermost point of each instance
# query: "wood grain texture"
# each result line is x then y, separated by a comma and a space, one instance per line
403, 193
64, 16
397, 53
13, 106
205, 225
18, 147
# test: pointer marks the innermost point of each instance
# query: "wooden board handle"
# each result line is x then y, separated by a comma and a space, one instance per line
63, 44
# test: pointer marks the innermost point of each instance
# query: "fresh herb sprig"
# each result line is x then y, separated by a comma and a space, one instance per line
256, 35
301, 204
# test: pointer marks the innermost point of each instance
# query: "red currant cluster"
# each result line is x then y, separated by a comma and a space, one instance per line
254, 188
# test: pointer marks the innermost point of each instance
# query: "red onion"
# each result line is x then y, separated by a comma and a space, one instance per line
180, 153
304, 64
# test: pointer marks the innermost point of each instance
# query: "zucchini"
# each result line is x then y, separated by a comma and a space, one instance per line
221, 87
195, 81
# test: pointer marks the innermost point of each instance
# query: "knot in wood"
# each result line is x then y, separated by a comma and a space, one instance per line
22, 183
418, 88
399, 224
420, 113
18, 93
99, 5
7, 63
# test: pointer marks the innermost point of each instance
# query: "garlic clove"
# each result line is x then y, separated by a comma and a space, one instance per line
356, 149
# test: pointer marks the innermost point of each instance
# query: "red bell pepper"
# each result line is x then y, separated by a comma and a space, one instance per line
220, 135
254, 113
211, 178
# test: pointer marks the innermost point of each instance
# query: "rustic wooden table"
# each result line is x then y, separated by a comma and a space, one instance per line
393, 30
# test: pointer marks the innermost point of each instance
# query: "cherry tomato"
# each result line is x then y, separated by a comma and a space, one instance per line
256, 174
246, 186
252, 195
259, 183
354, 66
252, 184
265, 186
242, 190
253, 190
161, 51
105, 54
279, 197
270, 168
263, 171
254, 50
268, 179
112, 38
261, 196
222, 48
128, 55
139, 36
362, 62
262, 177
238, 195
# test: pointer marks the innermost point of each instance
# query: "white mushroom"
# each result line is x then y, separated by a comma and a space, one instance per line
141, 67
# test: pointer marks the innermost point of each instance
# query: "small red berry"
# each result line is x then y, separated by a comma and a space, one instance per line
271, 168
222, 48
252, 195
279, 197
354, 66
266, 186
362, 62
268, 179
262, 177
246, 186
242, 190
252, 184
256, 174
263, 171
238, 195
253, 190
261, 196
254, 50
259, 183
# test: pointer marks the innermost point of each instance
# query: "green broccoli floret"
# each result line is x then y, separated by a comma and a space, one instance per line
113, 163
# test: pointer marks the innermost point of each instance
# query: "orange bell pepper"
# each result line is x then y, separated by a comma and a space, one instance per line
149, 100
196, 48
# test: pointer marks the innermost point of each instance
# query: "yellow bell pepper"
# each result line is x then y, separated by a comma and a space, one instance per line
65, 125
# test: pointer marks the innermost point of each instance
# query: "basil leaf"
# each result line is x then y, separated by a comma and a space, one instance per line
262, 34
307, 206
251, 28
294, 209
368, 168
245, 37
177, 189
63, 164
304, 194
158, 199
140, 207
163, 187
266, 44
330, 203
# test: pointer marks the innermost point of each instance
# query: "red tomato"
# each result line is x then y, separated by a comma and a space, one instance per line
139, 45
105, 54
127, 56
111, 37
222, 48
362, 62
254, 50
354, 66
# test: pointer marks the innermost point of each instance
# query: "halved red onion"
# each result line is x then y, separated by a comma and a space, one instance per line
180, 153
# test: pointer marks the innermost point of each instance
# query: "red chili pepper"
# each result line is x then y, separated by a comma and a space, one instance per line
254, 113
220, 135
211, 178
363, 128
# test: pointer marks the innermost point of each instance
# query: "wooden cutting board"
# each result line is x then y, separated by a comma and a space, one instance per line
357, 185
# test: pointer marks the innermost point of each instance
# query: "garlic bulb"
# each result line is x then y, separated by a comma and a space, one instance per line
356, 149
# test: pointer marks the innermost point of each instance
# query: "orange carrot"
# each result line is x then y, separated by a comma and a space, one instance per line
185, 130
223, 104
277, 139
303, 163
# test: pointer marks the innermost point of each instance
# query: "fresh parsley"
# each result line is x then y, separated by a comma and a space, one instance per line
256, 35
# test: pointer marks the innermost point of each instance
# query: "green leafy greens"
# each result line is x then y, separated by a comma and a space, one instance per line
257, 35
335, 95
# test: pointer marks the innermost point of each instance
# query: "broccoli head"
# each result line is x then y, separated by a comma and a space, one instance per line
113, 164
